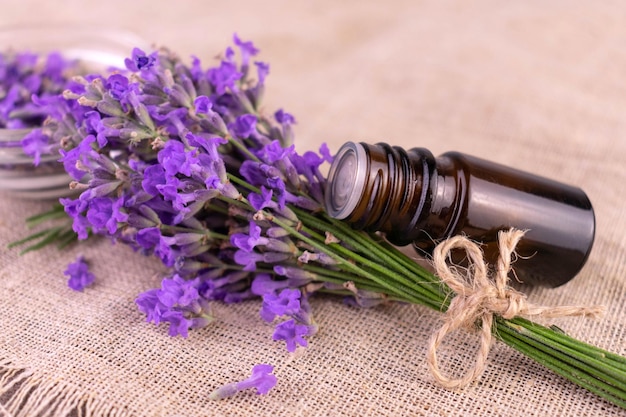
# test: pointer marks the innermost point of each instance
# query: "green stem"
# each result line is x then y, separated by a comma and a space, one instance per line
397, 289
339, 277
562, 338
242, 148
572, 373
379, 261
618, 376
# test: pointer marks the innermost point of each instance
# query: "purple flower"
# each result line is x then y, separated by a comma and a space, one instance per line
80, 153
247, 49
224, 76
55, 65
178, 303
79, 275
117, 84
284, 118
139, 60
202, 104
297, 276
292, 334
179, 324
171, 192
35, 144
262, 379
151, 239
259, 202
149, 304
244, 126
262, 70
325, 152
174, 159
247, 242
264, 284
248, 259
275, 152
209, 143
278, 184
252, 173
74, 209
105, 213
178, 291
196, 69
153, 176
287, 303
94, 125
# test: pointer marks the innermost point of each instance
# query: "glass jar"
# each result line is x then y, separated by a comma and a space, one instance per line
96, 51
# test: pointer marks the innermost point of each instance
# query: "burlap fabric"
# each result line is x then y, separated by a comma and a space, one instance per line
536, 85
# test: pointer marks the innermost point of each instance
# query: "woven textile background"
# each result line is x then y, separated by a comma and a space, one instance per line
538, 85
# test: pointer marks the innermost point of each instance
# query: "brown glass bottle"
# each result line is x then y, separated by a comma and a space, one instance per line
416, 198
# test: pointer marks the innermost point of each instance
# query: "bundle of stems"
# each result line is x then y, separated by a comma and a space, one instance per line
378, 266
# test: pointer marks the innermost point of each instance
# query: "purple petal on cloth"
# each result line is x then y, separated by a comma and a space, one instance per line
262, 379
292, 334
79, 275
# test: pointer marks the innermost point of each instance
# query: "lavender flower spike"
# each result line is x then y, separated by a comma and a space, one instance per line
262, 379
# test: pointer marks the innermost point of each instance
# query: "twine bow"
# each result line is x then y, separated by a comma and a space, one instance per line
478, 298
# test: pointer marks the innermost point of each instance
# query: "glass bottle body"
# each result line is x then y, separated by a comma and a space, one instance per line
416, 198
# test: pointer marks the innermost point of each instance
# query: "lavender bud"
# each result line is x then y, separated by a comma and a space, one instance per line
110, 107
277, 245
297, 276
178, 96
194, 249
274, 257
68, 95
141, 111
183, 238
187, 85
165, 79
113, 122
84, 101
276, 232
103, 190
149, 213
137, 221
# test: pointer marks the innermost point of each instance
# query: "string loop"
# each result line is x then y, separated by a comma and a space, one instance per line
479, 297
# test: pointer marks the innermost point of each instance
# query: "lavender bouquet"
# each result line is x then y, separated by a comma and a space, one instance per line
181, 162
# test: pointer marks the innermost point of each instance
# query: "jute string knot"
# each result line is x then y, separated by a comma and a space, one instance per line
479, 297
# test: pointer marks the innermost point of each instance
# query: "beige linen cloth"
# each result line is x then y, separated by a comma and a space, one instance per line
537, 85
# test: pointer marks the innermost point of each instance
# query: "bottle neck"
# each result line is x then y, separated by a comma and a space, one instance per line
389, 190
